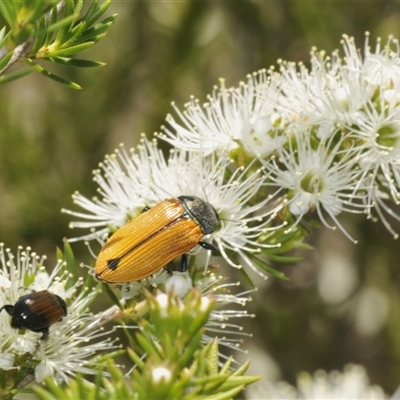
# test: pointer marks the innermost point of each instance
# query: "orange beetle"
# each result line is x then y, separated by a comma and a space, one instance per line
153, 239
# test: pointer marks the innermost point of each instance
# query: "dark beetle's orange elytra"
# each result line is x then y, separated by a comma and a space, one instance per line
153, 239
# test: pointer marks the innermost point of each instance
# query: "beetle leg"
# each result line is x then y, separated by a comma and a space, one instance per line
171, 267
9, 308
183, 267
184, 263
45, 334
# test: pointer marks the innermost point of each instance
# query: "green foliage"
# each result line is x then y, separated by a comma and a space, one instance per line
11, 380
50, 31
170, 361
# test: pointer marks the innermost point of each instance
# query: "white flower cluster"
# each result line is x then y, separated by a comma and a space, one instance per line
267, 153
329, 136
71, 342
220, 323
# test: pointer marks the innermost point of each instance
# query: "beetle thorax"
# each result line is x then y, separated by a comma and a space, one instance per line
203, 213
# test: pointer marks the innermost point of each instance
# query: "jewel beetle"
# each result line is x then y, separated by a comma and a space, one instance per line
36, 311
154, 238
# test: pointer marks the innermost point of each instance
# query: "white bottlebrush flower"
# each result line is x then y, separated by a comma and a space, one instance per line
359, 96
243, 116
333, 90
222, 319
69, 345
153, 178
376, 130
336, 88
352, 384
380, 200
380, 67
228, 309
255, 113
356, 96
317, 175
327, 95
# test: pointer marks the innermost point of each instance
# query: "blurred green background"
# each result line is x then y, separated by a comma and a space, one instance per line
342, 303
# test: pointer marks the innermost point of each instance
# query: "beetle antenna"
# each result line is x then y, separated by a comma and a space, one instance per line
169, 195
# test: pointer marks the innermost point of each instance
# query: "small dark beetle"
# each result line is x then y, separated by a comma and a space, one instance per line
36, 311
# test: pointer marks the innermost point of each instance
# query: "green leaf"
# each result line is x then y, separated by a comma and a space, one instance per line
227, 395
52, 76
15, 75
235, 381
70, 84
40, 36
69, 258
98, 31
137, 360
75, 34
94, 394
190, 349
211, 356
91, 10
226, 366
284, 259
74, 62
242, 369
5, 59
75, 387
313, 223
111, 294
67, 51
148, 346
52, 385
69, 11
64, 23
4, 36
211, 383
306, 246
94, 14
59, 254
52, 20
79, 5
8, 11
270, 270
38, 9
90, 281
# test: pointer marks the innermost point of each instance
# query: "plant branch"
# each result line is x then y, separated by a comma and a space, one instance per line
21, 50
